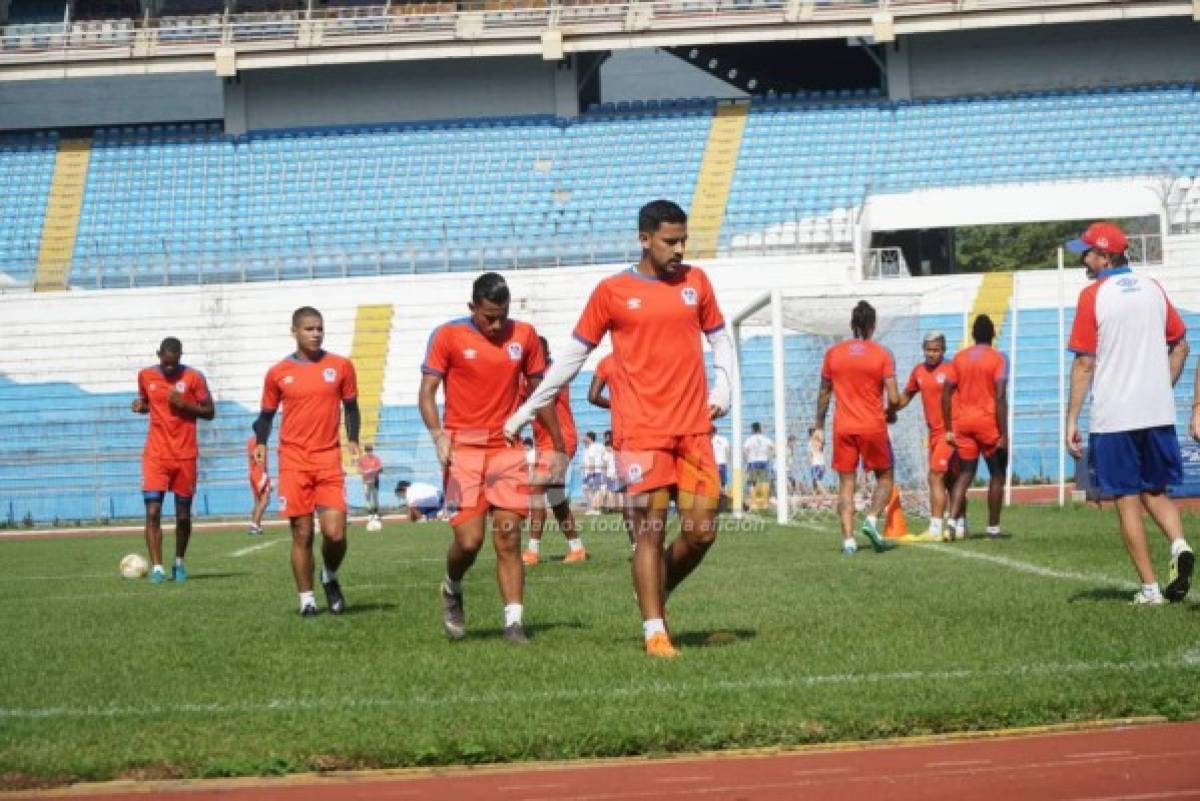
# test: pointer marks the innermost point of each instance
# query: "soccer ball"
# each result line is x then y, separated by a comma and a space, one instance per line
374, 524
134, 566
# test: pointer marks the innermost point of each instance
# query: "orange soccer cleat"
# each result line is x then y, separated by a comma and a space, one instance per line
529, 558
659, 645
575, 555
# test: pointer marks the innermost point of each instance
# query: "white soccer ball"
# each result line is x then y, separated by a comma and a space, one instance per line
374, 524
134, 566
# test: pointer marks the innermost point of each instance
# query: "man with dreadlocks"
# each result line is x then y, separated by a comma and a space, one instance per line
857, 372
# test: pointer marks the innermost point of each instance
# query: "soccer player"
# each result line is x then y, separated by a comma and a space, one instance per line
928, 380
593, 473
721, 453
657, 312
174, 396
858, 372
975, 411
758, 451
369, 467
1130, 348
550, 490
816, 463
314, 388
485, 361
260, 487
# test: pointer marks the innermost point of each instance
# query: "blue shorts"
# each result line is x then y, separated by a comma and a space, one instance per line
1132, 462
594, 481
723, 472
817, 472
614, 485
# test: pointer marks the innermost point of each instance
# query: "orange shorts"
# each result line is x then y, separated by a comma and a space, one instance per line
875, 451
304, 490
541, 468
941, 453
973, 437
260, 482
482, 479
687, 464
169, 475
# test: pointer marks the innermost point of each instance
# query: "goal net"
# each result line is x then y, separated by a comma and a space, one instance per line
780, 379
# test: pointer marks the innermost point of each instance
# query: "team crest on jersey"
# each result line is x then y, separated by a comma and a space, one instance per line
469, 353
689, 295
180, 386
634, 303
635, 473
330, 375
940, 378
514, 351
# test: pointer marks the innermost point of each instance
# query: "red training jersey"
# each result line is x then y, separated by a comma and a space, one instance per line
172, 433
973, 374
608, 373
566, 425
483, 380
857, 369
311, 393
930, 381
656, 325
254, 469
369, 466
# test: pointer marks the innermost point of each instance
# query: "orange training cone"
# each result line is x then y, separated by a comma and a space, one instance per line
895, 525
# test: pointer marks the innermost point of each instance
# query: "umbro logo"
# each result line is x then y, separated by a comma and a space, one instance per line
470, 353
634, 303
287, 379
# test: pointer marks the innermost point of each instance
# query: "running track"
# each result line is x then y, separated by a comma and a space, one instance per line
1132, 763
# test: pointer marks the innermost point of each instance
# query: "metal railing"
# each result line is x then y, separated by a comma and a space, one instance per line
472, 20
884, 263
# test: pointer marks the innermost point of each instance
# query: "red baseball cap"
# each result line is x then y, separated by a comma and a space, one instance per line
1102, 236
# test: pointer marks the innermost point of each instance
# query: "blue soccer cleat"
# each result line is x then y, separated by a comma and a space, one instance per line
178, 574
157, 576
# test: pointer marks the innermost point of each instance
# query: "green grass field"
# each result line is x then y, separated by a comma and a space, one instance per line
785, 641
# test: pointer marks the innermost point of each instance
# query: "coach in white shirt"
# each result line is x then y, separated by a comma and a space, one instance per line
1130, 347
758, 452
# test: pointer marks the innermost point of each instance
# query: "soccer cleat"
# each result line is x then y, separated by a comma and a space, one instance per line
157, 576
454, 616
575, 555
256, 531
849, 547
1180, 574
178, 574
529, 558
333, 594
1142, 599
308, 610
515, 634
924, 536
659, 645
877, 542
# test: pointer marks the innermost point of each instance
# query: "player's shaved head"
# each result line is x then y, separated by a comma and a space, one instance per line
490, 287
657, 212
305, 311
170, 345
983, 330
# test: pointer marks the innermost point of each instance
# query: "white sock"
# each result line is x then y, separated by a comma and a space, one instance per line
307, 599
1151, 590
653, 626
1179, 546
452, 587
158, 569
575, 544
935, 526
328, 575
993, 529
512, 614
960, 525
178, 561
872, 521
534, 546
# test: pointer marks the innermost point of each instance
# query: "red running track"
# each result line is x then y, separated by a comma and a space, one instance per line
1135, 763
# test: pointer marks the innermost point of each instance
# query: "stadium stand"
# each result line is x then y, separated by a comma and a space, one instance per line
185, 203
26, 170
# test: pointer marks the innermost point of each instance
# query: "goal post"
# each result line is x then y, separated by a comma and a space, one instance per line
781, 338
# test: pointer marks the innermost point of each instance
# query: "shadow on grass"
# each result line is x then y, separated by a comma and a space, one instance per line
531, 631
368, 608
714, 639
1103, 595
209, 576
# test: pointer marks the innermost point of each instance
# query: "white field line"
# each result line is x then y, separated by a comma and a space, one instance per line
1030, 568
598, 694
252, 548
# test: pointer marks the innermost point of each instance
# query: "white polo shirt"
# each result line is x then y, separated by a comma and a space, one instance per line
1127, 321
720, 449
757, 448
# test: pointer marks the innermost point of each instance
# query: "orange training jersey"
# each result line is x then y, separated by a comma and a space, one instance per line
251, 466
483, 380
172, 434
974, 373
930, 383
857, 368
566, 425
607, 371
656, 326
311, 394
